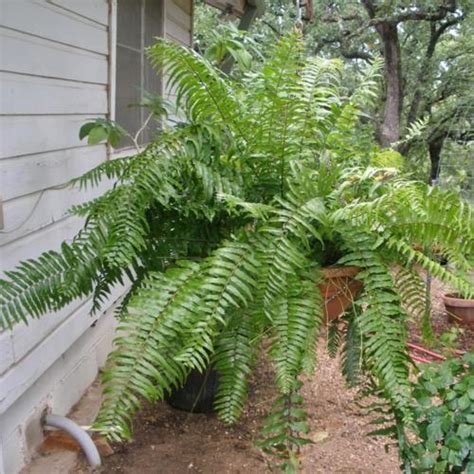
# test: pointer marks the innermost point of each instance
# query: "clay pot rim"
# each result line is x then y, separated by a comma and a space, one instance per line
339, 271
453, 299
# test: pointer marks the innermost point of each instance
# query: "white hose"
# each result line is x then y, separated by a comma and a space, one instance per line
80, 435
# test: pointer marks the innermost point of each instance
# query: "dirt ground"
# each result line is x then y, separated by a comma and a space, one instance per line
168, 441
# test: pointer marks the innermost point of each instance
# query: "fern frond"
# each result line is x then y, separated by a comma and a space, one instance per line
54, 279
285, 239
273, 90
142, 364
200, 90
229, 279
417, 213
351, 355
110, 169
382, 323
333, 338
367, 91
296, 314
411, 256
234, 359
412, 291
284, 430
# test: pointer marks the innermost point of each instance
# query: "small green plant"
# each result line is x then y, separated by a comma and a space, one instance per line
101, 129
450, 339
444, 414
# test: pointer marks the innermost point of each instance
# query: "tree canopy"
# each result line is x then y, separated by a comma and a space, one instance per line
427, 47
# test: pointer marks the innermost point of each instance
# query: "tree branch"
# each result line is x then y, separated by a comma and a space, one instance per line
337, 18
435, 35
413, 15
344, 49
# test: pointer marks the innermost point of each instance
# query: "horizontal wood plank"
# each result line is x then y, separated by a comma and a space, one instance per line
176, 15
31, 173
31, 134
26, 371
36, 18
28, 214
177, 34
39, 57
6, 350
32, 245
25, 337
25, 95
185, 5
96, 10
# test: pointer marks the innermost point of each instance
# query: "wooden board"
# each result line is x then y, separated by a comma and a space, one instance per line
178, 24
95, 10
40, 57
32, 173
35, 211
6, 349
26, 371
29, 95
37, 17
35, 243
33, 134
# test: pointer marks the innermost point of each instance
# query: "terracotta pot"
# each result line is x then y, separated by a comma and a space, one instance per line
339, 289
460, 310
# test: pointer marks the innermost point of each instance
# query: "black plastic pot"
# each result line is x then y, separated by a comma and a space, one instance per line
198, 392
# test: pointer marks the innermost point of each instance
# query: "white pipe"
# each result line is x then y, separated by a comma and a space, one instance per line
80, 435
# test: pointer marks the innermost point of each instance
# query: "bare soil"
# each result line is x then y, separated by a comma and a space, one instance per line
169, 441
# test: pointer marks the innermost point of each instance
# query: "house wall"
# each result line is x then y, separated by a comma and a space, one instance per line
57, 71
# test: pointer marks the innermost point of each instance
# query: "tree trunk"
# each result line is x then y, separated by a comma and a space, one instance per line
435, 146
389, 129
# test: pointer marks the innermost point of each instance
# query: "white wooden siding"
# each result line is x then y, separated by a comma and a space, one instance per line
49, 208
41, 57
28, 174
15, 382
54, 74
178, 28
178, 24
29, 95
95, 10
30, 134
46, 20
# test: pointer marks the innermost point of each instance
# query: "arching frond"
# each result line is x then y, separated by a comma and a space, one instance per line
229, 279
54, 279
142, 365
285, 240
200, 90
412, 291
382, 323
352, 350
296, 313
234, 359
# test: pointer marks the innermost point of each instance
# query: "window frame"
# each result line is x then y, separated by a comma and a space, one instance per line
113, 53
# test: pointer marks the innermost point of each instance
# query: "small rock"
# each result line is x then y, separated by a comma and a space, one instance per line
320, 436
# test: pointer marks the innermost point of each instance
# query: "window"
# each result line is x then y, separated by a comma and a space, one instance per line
138, 22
